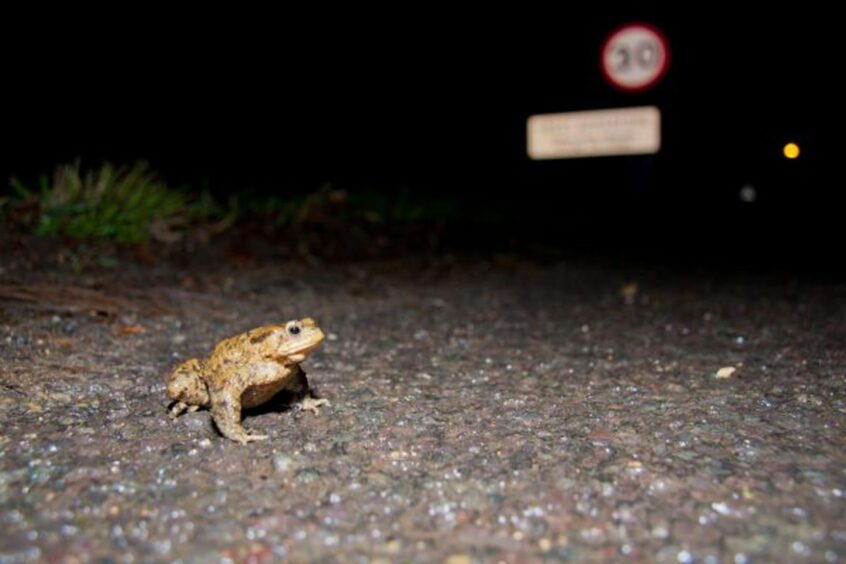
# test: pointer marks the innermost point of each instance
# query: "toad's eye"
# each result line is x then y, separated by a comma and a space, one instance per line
294, 329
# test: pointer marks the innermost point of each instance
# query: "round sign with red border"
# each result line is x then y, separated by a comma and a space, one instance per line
635, 57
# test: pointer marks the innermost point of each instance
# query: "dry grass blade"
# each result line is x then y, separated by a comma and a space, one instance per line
75, 299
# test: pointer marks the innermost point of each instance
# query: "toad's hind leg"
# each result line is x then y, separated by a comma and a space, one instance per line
226, 411
185, 386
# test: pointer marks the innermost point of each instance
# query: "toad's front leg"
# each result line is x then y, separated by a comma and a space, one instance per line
226, 411
298, 384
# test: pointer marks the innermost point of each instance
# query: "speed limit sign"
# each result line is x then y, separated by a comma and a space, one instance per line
635, 57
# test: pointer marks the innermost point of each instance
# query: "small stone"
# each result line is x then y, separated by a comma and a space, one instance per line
282, 463
725, 372
307, 475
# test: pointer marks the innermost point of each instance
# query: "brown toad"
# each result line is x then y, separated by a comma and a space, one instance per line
245, 371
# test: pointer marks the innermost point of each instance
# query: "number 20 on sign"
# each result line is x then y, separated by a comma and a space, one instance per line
635, 57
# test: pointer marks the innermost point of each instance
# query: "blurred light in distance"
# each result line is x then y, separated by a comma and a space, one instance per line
791, 150
748, 194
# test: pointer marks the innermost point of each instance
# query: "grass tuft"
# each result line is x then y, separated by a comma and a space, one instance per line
125, 204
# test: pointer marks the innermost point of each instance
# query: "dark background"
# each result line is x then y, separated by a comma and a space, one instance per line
436, 101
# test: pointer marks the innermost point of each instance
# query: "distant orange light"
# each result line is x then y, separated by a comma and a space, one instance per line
791, 150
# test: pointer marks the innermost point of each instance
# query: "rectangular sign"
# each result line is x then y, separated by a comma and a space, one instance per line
594, 133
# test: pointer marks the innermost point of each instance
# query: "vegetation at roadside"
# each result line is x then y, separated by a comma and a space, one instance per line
130, 204
121, 204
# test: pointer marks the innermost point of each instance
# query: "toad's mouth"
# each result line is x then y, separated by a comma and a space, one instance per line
298, 350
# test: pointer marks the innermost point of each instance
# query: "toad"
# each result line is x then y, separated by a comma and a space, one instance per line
246, 371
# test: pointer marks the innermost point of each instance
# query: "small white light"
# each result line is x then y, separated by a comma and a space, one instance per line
748, 194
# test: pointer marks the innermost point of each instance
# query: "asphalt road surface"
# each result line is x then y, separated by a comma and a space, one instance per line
481, 411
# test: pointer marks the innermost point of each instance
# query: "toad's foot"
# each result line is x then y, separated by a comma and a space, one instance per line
239, 434
309, 403
181, 407
248, 438
177, 409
